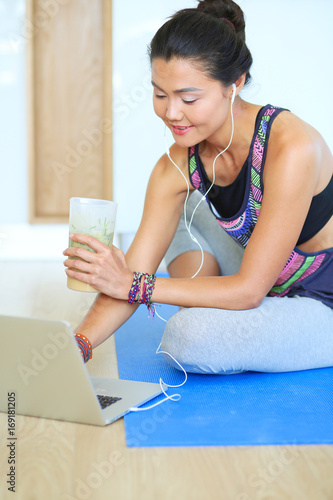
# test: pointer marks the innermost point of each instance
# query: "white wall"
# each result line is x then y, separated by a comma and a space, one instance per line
138, 133
13, 162
291, 43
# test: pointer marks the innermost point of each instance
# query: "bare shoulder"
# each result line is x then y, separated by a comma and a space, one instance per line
167, 170
179, 155
297, 146
291, 132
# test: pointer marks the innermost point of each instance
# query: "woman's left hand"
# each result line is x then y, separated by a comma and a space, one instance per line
105, 269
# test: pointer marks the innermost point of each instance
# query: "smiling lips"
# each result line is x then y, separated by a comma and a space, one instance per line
181, 130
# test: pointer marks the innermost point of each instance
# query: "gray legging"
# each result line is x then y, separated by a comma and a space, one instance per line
282, 334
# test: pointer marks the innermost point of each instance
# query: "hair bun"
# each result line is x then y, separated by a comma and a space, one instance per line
225, 9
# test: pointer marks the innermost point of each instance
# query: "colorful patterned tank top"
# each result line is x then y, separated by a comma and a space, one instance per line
305, 274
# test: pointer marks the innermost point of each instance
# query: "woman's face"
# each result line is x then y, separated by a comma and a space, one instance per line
193, 106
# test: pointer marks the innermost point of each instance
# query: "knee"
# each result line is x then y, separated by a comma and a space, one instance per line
175, 340
172, 336
198, 346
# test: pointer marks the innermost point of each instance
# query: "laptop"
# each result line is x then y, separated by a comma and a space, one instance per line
42, 365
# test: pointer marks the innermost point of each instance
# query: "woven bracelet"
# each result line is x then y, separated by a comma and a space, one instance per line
149, 283
148, 288
134, 295
138, 296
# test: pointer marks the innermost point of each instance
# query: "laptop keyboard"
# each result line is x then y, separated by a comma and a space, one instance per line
106, 401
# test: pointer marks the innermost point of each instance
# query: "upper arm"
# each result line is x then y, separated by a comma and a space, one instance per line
165, 196
291, 174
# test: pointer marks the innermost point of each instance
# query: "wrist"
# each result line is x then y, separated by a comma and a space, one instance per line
127, 283
141, 290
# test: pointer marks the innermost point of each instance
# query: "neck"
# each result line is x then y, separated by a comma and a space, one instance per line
244, 117
229, 164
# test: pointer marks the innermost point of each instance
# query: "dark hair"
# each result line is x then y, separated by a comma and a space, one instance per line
212, 35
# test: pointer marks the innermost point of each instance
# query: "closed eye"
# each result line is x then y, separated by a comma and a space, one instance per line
161, 96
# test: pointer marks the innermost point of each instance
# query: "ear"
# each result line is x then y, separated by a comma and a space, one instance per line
240, 83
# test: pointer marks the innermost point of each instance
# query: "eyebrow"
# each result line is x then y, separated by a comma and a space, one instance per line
186, 89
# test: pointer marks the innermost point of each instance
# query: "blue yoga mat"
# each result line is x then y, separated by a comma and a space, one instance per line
218, 410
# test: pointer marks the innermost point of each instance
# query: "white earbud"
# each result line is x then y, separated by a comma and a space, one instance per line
233, 93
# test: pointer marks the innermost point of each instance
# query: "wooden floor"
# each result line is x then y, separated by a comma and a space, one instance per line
65, 461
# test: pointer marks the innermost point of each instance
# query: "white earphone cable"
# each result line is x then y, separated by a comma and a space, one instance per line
188, 226
176, 397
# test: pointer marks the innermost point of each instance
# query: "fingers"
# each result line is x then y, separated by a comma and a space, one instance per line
79, 253
80, 276
78, 264
80, 269
88, 240
102, 267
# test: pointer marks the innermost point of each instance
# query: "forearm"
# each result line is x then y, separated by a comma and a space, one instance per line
105, 316
222, 292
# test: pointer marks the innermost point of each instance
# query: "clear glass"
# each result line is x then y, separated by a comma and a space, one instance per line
96, 218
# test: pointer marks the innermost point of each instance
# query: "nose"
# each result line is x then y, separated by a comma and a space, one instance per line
173, 111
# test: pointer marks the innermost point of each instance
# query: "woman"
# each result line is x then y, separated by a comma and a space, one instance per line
263, 298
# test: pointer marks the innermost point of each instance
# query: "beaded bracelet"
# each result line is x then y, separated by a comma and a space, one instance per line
84, 346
